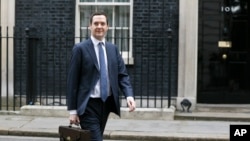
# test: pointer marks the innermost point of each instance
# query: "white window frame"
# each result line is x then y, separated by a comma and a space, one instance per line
126, 55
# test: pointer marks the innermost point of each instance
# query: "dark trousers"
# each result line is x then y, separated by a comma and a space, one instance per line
95, 117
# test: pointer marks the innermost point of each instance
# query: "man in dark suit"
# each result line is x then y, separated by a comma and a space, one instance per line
85, 85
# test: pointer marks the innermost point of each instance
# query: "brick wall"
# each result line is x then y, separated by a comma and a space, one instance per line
41, 57
40, 13
151, 21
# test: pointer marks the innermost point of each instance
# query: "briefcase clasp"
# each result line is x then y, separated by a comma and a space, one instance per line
68, 138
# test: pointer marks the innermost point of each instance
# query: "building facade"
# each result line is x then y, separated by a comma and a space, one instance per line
167, 46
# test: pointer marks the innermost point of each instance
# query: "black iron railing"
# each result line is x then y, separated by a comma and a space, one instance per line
41, 65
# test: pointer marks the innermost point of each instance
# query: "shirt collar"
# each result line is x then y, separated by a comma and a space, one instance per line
96, 42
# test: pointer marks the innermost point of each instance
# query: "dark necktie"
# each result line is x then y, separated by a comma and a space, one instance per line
103, 71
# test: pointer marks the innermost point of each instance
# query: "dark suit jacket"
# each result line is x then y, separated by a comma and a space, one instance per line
84, 73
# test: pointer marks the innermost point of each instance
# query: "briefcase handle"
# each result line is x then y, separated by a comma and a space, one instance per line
78, 126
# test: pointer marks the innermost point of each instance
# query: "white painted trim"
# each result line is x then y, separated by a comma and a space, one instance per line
77, 21
188, 48
7, 20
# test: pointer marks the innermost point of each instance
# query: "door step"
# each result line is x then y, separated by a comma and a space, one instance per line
217, 113
231, 108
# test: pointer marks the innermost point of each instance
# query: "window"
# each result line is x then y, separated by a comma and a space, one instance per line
119, 13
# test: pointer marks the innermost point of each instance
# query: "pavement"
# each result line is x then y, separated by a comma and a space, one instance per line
126, 129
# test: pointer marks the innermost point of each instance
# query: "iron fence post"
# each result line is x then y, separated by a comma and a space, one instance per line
29, 73
169, 31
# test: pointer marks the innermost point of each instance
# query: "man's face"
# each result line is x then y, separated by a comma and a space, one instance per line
99, 27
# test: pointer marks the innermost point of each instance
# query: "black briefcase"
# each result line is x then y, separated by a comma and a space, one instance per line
69, 133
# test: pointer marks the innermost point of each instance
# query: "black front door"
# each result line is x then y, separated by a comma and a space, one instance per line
224, 52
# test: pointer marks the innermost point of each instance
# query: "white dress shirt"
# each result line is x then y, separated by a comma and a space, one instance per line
95, 93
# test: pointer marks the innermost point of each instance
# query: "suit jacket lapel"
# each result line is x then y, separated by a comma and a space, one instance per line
91, 50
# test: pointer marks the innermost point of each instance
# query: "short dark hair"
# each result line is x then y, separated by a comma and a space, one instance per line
98, 13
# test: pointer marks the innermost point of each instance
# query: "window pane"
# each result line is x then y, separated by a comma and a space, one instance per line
109, 36
86, 12
120, 13
85, 33
87, 0
122, 16
104, 0
121, 0
119, 38
122, 39
109, 12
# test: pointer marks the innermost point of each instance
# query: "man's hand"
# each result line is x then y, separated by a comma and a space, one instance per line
131, 104
74, 119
